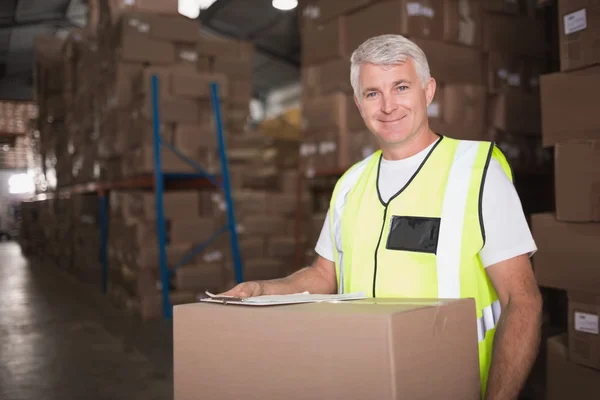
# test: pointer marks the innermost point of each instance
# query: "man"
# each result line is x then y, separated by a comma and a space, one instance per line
427, 216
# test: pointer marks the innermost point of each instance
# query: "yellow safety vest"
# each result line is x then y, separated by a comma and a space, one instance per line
425, 241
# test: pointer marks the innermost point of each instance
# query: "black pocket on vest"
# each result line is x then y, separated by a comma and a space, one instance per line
418, 234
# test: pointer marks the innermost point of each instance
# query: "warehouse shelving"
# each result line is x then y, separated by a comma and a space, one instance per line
159, 182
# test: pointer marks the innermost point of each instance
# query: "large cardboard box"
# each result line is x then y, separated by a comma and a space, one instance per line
459, 111
584, 329
423, 19
570, 105
566, 380
197, 85
453, 63
140, 49
462, 22
413, 349
577, 185
568, 255
325, 42
330, 76
332, 112
325, 10
516, 35
579, 30
515, 111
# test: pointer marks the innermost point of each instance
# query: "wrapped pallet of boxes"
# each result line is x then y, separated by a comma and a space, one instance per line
323, 350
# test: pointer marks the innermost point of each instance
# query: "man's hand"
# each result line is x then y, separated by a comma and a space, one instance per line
518, 332
319, 278
245, 289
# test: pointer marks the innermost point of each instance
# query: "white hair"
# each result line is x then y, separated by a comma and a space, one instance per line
387, 50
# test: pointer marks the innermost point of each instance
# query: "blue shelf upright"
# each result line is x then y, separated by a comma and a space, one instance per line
159, 183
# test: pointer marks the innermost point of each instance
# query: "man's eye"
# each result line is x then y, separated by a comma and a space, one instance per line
371, 94
402, 88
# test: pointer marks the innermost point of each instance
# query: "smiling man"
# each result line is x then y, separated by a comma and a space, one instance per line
427, 216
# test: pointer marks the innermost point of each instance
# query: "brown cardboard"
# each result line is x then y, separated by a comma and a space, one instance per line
281, 247
225, 48
282, 204
175, 110
570, 106
462, 22
331, 76
152, 6
577, 181
139, 49
335, 111
515, 35
515, 111
584, 329
325, 10
233, 69
252, 247
423, 19
262, 225
187, 54
201, 277
263, 269
452, 63
503, 71
191, 229
390, 360
458, 111
197, 85
325, 42
579, 30
568, 254
240, 91
188, 138
501, 6
565, 379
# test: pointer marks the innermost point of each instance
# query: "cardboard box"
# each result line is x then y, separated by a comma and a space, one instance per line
501, 6
422, 19
226, 49
459, 111
331, 112
393, 358
504, 71
175, 110
331, 76
565, 379
515, 35
152, 6
261, 225
462, 22
515, 111
263, 269
325, 10
325, 42
188, 138
202, 277
281, 247
197, 85
568, 254
570, 106
577, 185
252, 247
192, 229
579, 30
138, 48
453, 63
584, 329
282, 204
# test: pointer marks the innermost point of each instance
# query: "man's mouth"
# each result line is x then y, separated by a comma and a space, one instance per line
390, 121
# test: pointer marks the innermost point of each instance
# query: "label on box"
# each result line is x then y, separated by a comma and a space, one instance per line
575, 22
415, 9
587, 323
514, 80
190, 56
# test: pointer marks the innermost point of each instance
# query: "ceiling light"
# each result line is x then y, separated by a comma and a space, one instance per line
285, 5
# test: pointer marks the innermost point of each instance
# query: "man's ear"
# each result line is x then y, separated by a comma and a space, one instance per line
358, 105
430, 90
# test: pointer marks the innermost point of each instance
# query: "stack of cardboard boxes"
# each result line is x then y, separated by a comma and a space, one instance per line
568, 256
14, 124
486, 57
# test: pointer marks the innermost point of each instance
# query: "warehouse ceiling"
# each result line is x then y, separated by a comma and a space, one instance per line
20, 22
274, 32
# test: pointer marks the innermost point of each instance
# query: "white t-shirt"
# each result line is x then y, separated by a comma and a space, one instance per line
506, 229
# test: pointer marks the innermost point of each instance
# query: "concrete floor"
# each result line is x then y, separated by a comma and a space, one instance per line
62, 339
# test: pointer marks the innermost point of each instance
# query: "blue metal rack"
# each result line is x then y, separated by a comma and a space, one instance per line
159, 183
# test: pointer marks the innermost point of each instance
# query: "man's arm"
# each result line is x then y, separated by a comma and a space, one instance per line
518, 331
319, 278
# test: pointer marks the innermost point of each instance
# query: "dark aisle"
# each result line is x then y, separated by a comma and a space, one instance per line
61, 339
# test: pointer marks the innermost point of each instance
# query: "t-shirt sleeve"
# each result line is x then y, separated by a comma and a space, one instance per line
506, 230
324, 246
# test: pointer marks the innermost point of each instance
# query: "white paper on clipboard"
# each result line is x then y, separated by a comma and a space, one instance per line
272, 300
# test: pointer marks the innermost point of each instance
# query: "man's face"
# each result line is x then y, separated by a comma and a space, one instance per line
393, 101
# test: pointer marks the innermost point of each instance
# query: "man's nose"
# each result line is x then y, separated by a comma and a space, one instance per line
387, 105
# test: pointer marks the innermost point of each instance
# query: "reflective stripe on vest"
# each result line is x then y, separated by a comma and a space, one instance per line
451, 237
